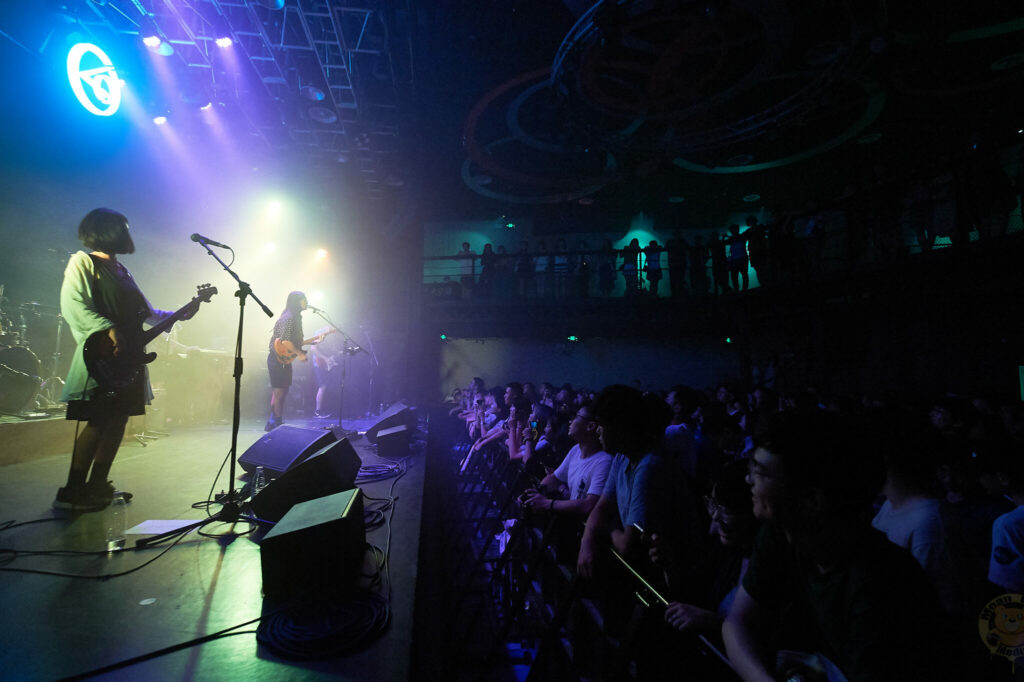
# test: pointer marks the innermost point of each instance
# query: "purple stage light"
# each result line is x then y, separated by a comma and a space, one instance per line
160, 120
152, 41
224, 42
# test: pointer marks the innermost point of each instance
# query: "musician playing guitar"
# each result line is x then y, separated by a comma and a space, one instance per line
286, 344
100, 299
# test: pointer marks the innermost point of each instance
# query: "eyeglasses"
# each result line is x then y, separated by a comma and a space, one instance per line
755, 468
720, 515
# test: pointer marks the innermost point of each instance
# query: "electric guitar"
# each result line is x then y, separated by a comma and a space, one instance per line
117, 372
287, 352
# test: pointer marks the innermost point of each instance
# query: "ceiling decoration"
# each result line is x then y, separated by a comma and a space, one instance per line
622, 103
522, 167
730, 87
319, 79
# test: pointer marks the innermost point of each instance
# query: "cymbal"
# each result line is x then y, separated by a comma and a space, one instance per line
212, 353
38, 307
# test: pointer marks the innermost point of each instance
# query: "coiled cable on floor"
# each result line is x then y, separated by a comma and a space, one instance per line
318, 628
377, 472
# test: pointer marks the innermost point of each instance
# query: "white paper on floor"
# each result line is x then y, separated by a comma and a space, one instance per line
157, 527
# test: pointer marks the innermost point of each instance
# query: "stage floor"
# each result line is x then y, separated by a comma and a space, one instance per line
55, 627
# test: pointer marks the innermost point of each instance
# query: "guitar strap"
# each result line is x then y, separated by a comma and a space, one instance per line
117, 299
98, 301
101, 305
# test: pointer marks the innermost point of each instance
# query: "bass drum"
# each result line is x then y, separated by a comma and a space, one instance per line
19, 378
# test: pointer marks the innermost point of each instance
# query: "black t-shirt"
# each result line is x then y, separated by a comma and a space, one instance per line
875, 615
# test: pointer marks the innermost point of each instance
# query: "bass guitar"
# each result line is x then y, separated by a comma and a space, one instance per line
287, 352
118, 372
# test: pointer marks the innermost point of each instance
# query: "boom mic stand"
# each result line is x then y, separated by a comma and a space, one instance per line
373, 373
351, 348
231, 509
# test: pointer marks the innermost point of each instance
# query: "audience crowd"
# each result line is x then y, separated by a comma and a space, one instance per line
800, 535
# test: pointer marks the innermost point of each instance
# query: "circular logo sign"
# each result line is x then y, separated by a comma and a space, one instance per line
93, 79
1001, 626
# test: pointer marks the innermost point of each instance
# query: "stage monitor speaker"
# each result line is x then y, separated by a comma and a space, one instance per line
332, 469
316, 548
284, 447
396, 415
393, 442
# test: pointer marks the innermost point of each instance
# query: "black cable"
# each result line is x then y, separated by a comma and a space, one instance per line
227, 632
373, 519
210, 499
8, 525
351, 624
403, 465
313, 628
105, 576
253, 525
377, 472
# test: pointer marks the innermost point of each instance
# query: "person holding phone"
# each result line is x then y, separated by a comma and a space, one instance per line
518, 429
575, 486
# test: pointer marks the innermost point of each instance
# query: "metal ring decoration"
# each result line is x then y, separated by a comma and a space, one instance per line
875, 105
583, 40
570, 187
477, 155
570, 195
512, 121
775, 116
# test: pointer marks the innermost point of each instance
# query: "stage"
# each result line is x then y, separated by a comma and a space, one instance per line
56, 627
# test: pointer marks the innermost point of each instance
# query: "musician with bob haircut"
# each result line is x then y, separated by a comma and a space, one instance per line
100, 295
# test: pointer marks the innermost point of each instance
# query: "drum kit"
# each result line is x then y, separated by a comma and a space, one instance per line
22, 382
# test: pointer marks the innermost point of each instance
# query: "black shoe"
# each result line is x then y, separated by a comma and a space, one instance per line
106, 491
79, 499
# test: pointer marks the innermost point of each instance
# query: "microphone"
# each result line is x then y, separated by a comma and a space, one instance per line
313, 308
196, 237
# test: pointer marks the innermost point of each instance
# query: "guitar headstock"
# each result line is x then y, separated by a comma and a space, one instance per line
204, 292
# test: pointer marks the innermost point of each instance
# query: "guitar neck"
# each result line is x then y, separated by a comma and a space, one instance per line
162, 326
306, 342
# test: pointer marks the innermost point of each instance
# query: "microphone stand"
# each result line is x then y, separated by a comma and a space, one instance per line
231, 508
373, 374
351, 348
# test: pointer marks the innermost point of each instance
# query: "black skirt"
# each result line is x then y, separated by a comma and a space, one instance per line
104, 404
